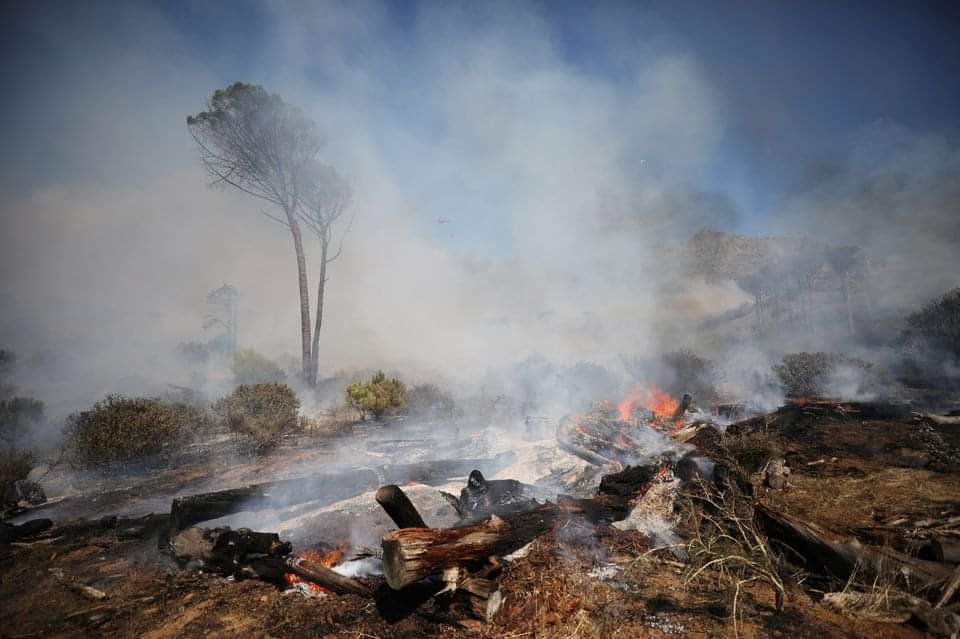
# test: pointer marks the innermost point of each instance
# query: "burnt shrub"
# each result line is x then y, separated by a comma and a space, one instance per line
15, 465
378, 396
934, 330
751, 450
250, 367
684, 371
123, 429
430, 400
259, 415
806, 375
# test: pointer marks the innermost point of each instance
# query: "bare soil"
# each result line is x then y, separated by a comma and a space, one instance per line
874, 473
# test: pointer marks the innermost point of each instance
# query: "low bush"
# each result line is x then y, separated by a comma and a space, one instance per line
751, 451
938, 323
811, 375
430, 400
15, 465
259, 415
122, 429
684, 371
250, 367
378, 396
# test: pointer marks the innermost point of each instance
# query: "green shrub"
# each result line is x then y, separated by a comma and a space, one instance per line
430, 399
250, 367
121, 429
259, 415
804, 375
378, 396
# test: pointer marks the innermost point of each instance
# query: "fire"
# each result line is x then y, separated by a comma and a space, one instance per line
654, 400
626, 406
662, 472
327, 559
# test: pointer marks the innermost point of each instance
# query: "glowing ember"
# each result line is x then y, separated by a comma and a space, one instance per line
327, 559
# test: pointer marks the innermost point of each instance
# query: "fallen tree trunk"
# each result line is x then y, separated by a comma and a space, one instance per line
943, 549
810, 547
193, 509
411, 554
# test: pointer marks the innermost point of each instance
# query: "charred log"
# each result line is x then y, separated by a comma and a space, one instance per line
401, 510
225, 550
411, 554
10, 533
483, 496
805, 545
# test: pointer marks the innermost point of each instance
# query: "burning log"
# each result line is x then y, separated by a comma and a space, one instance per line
329, 579
411, 554
396, 503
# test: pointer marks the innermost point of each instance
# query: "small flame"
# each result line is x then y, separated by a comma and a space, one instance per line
626, 406
662, 472
326, 559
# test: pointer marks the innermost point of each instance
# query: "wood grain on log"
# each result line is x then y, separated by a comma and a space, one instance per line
411, 554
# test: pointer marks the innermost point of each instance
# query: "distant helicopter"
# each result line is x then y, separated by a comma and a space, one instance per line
443, 220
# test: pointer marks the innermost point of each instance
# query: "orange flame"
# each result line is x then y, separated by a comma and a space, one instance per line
626, 406
327, 559
655, 400
659, 402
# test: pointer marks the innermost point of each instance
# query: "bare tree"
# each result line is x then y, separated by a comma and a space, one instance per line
841, 260
255, 142
323, 204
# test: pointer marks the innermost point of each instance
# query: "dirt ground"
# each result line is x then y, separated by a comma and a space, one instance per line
873, 473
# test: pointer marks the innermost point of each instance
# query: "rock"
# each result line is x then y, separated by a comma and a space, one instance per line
776, 474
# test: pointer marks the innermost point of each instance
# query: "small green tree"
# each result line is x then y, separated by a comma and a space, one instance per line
378, 396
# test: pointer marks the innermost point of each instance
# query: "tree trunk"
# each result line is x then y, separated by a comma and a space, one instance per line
304, 295
845, 290
315, 351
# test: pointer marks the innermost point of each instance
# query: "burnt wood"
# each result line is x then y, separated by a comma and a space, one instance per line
411, 554
401, 510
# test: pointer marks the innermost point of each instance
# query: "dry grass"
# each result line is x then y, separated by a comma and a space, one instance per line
338, 421
726, 549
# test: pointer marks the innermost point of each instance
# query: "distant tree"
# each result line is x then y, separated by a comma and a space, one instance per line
250, 367
225, 302
254, 141
841, 260
324, 203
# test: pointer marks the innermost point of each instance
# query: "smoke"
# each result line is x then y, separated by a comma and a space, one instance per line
567, 180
